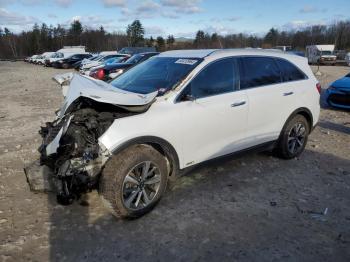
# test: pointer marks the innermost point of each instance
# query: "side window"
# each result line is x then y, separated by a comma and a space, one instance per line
259, 71
289, 71
217, 78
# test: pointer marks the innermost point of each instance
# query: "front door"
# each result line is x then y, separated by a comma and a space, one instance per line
214, 114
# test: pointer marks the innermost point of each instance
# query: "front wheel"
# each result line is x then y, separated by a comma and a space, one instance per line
293, 138
133, 181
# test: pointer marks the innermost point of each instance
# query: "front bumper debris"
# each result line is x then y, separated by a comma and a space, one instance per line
40, 177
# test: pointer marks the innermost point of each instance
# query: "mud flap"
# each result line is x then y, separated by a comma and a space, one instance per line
39, 177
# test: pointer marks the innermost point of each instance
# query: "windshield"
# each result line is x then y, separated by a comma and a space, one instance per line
114, 60
156, 74
135, 59
326, 53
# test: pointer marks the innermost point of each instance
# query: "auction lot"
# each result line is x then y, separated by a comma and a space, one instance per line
254, 208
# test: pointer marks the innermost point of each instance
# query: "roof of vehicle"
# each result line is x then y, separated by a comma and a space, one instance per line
202, 53
322, 47
198, 53
147, 53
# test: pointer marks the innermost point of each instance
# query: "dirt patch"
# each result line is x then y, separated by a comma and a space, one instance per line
255, 208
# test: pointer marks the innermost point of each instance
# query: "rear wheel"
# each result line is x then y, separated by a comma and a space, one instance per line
133, 181
65, 66
293, 138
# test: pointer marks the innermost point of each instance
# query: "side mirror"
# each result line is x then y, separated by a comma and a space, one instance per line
188, 97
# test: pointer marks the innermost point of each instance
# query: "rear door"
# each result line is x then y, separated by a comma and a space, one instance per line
214, 123
270, 101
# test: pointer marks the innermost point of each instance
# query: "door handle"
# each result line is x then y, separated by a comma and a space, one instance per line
238, 104
288, 94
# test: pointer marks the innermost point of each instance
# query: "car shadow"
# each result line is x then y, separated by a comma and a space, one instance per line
335, 127
255, 208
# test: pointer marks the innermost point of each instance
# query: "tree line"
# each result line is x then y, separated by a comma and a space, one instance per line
51, 38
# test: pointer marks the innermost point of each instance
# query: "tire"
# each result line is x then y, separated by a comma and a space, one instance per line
65, 66
285, 142
114, 188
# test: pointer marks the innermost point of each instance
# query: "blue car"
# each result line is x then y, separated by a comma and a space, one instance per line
338, 93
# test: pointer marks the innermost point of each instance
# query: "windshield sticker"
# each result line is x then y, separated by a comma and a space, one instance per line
186, 61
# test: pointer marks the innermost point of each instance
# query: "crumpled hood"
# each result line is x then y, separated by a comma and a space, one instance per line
82, 86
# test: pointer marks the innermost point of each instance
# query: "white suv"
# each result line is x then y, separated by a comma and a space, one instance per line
180, 108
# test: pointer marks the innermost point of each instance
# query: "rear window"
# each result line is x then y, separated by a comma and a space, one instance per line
289, 71
258, 71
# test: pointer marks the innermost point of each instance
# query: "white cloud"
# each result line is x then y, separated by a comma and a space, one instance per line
8, 19
312, 9
23, 2
300, 24
234, 18
64, 3
113, 3
144, 10
183, 6
51, 15
147, 7
154, 30
94, 22
4, 2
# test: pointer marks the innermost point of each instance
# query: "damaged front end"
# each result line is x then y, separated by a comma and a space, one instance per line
71, 156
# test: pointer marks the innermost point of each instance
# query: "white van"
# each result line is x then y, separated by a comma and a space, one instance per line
65, 52
321, 54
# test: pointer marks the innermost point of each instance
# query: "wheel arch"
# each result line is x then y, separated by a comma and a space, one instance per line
159, 144
305, 112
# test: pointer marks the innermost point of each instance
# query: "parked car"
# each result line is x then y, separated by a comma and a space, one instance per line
36, 59
32, 58
70, 60
111, 71
65, 52
78, 64
40, 60
338, 93
347, 59
97, 62
340, 54
173, 111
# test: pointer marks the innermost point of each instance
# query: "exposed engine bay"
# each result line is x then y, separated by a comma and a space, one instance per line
71, 157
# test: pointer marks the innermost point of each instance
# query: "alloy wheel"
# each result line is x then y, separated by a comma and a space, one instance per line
296, 138
141, 185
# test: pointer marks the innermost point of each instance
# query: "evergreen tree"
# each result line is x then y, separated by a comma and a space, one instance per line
135, 33
170, 41
160, 44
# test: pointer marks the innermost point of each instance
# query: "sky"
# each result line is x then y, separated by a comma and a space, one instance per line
181, 18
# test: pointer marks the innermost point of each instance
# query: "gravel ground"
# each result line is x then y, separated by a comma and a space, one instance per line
255, 208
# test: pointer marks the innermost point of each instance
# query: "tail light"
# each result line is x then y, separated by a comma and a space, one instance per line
318, 86
101, 74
